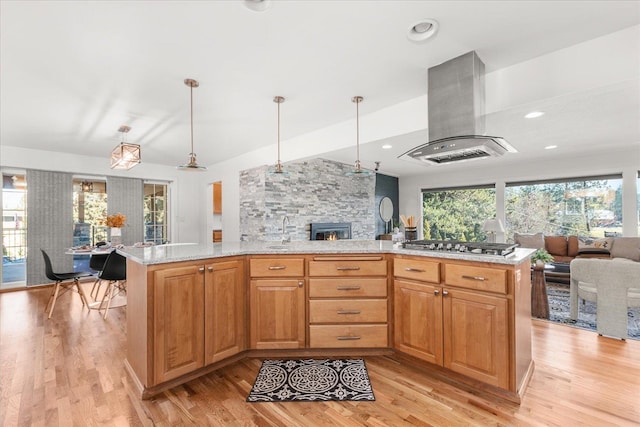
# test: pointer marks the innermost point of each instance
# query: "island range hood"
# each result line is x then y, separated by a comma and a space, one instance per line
457, 115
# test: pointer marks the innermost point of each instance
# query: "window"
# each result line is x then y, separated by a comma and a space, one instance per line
457, 213
89, 212
638, 201
588, 206
14, 230
155, 213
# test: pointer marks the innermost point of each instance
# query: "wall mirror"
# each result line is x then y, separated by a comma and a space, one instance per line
386, 211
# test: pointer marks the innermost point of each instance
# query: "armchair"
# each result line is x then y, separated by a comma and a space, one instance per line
614, 285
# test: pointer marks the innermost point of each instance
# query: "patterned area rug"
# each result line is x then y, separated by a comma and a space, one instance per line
311, 380
559, 311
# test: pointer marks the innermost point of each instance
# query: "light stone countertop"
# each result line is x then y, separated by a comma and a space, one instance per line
176, 252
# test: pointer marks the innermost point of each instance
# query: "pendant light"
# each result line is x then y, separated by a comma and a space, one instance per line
125, 155
192, 164
278, 168
358, 171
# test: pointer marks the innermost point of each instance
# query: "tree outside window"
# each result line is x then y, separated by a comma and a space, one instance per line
457, 214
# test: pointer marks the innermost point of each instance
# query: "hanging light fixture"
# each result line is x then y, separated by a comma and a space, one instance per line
192, 164
278, 168
358, 171
86, 186
125, 155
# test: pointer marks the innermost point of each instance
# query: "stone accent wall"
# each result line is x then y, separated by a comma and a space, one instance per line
316, 190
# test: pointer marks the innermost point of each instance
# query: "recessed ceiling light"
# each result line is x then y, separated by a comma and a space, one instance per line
422, 30
387, 146
550, 147
534, 114
257, 5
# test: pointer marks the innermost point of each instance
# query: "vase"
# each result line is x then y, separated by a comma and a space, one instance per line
116, 236
539, 263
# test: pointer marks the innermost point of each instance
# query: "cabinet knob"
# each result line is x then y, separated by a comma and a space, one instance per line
436, 292
201, 269
300, 284
210, 268
445, 293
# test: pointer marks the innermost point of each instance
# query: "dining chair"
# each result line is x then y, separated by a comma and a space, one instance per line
66, 281
115, 273
96, 263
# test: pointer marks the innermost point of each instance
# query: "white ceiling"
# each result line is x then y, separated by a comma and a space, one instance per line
73, 72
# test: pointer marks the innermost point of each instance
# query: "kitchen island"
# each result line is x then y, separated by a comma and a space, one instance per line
194, 308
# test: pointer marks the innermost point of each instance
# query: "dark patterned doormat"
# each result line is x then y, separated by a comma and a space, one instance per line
311, 380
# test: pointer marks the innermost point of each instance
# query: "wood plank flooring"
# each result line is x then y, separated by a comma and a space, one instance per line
68, 371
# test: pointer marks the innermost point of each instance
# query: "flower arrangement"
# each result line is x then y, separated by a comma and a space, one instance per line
116, 221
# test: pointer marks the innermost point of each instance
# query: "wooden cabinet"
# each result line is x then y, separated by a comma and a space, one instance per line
277, 303
348, 305
216, 236
224, 298
456, 316
476, 340
178, 321
418, 320
198, 316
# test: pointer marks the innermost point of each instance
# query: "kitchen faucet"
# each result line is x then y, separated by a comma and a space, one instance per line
287, 238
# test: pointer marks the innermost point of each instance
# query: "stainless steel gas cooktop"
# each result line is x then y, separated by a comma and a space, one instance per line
483, 248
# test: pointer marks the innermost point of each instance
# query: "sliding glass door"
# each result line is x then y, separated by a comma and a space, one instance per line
14, 230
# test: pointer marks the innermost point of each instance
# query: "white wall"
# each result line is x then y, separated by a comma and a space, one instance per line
625, 161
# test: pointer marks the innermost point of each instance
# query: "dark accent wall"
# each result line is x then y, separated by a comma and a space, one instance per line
386, 186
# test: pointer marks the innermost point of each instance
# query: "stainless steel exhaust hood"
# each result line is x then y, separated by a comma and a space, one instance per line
457, 115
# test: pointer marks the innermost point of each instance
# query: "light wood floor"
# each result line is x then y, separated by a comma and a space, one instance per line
68, 371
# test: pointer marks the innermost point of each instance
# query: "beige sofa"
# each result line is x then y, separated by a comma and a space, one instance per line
613, 285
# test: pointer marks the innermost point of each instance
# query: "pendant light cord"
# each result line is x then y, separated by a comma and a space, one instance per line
358, 130
279, 131
191, 86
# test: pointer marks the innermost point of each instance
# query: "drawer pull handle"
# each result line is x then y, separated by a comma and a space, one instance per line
348, 268
348, 288
416, 270
480, 278
277, 267
348, 338
348, 311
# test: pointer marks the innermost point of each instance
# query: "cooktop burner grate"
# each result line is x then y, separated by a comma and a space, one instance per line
483, 248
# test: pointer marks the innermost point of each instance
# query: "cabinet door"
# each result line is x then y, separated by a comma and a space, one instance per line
217, 197
178, 321
418, 320
277, 313
224, 323
476, 336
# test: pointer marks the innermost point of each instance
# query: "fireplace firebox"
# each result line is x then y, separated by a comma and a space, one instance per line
330, 230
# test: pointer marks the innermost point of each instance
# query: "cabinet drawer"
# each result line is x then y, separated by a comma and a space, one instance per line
276, 267
344, 336
479, 278
346, 288
347, 268
425, 271
348, 311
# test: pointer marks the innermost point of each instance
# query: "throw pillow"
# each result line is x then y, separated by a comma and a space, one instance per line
626, 247
556, 245
533, 241
594, 245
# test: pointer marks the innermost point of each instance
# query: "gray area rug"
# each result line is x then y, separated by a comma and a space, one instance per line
311, 380
559, 311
